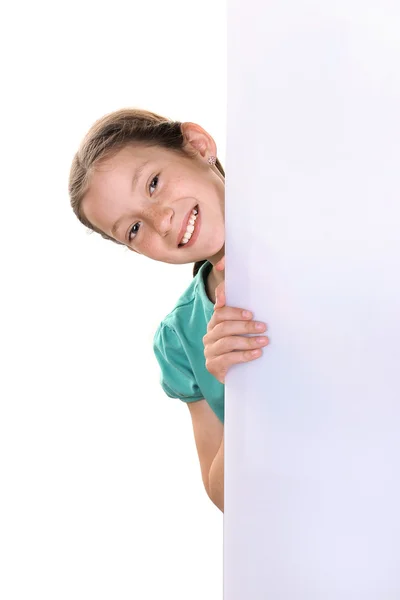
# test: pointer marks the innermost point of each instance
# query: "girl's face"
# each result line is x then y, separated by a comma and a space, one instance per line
144, 196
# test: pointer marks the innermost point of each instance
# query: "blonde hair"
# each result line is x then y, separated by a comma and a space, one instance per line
110, 134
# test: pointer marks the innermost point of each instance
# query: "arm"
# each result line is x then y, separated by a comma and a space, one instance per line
209, 435
216, 478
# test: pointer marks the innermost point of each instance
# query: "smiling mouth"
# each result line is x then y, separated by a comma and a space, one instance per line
188, 235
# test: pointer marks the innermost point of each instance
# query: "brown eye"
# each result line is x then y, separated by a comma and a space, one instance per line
155, 185
132, 230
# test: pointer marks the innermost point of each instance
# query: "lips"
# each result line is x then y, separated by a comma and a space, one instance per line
184, 226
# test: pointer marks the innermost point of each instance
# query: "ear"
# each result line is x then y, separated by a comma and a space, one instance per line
198, 139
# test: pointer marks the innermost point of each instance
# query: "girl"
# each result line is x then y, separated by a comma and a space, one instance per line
156, 186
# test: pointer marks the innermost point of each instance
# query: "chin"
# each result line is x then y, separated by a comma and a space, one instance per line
218, 248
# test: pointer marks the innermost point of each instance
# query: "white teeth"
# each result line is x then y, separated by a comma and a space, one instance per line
190, 227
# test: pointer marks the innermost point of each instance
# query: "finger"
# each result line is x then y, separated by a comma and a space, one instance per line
227, 328
220, 365
235, 344
228, 313
241, 328
224, 329
220, 295
220, 266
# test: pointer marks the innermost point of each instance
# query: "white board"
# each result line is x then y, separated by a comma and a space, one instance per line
312, 436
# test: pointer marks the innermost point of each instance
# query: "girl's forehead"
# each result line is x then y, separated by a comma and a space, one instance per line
127, 162
132, 155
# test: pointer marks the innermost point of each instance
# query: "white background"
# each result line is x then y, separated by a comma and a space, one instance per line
101, 491
312, 442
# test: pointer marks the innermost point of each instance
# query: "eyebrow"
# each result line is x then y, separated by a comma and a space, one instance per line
135, 180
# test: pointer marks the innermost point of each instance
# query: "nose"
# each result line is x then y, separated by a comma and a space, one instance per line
161, 218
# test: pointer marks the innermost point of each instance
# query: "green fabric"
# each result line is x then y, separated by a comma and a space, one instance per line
178, 346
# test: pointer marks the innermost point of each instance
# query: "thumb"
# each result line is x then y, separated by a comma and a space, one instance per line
220, 295
220, 266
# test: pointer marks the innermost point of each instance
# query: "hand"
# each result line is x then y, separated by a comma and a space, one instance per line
225, 342
220, 289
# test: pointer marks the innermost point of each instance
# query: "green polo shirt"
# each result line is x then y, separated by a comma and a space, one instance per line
178, 346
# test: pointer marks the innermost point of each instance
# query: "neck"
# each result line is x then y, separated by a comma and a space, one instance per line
217, 257
215, 277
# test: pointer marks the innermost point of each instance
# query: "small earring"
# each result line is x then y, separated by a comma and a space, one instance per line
212, 160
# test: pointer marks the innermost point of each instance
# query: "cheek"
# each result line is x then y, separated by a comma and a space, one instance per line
148, 245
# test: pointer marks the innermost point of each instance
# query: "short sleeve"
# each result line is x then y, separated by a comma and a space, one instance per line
177, 378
